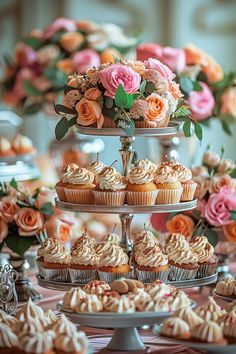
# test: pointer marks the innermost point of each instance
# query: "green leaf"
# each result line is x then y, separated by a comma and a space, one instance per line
197, 86
14, 184
136, 96
32, 108
150, 87
187, 128
233, 173
109, 102
211, 235
186, 84
122, 98
19, 244
62, 128
47, 208
33, 42
68, 88
233, 217
198, 130
29, 89
59, 108
143, 86
57, 36
57, 77
8, 60
182, 112
226, 127
72, 121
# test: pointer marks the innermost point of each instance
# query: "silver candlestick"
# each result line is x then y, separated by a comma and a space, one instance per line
8, 277
126, 152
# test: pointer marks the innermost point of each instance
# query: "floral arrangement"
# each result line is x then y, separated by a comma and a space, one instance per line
23, 215
36, 74
216, 193
124, 94
208, 91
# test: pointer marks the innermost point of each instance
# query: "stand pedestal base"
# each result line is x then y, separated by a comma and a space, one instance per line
126, 339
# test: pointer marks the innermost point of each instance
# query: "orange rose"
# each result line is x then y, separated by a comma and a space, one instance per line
29, 221
3, 230
219, 181
92, 93
109, 55
230, 232
71, 41
182, 224
89, 112
65, 65
75, 81
8, 208
228, 102
175, 90
209, 66
156, 114
58, 229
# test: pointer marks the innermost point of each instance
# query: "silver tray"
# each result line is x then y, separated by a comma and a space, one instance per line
223, 297
127, 209
21, 171
172, 130
16, 158
60, 286
209, 348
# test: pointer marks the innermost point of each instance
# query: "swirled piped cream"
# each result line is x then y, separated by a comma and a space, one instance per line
147, 164
226, 287
144, 236
140, 175
102, 248
187, 315
182, 256
96, 167
85, 256
8, 338
123, 304
62, 326
197, 243
151, 257
67, 171
91, 304
178, 300
58, 255
110, 179
72, 298
165, 175
179, 244
114, 257
81, 242
36, 343
205, 253
112, 238
80, 176
184, 173
175, 327
173, 237
210, 311
46, 246
29, 311
78, 343
208, 332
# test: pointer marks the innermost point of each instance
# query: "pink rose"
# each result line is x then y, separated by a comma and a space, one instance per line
41, 83
211, 159
217, 210
174, 58
8, 208
201, 102
162, 69
201, 204
221, 180
60, 23
21, 76
225, 166
45, 195
65, 216
58, 229
29, 221
48, 54
25, 55
228, 102
85, 59
149, 50
158, 221
200, 171
202, 186
3, 230
117, 74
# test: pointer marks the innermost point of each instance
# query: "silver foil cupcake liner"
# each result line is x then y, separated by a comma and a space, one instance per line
82, 276
60, 275
177, 273
109, 277
39, 266
148, 276
206, 270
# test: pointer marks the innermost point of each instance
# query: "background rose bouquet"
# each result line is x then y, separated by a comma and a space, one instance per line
38, 70
208, 91
125, 94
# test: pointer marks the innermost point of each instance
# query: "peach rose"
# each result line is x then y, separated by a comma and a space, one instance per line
181, 223
92, 93
65, 65
45, 195
220, 180
58, 229
230, 232
89, 112
202, 186
175, 90
156, 114
211, 159
8, 208
228, 102
108, 55
225, 166
67, 217
3, 230
71, 41
29, 221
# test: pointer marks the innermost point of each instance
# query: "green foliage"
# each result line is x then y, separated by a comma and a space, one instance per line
59, 108
232, 214
123, 99
63, 126
14, 184
57, 77
187, 128
226, 127
198, 130
33, 42
149, 88
182, 111
29, 89
19, 244
108, 102
186, 84
47, 208
142, 87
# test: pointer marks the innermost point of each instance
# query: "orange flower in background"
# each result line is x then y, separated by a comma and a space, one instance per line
175, 90
8, 208
181, 223
58, 229
89, 112
71, 41
109, 55
228, 102
230, 232
65, 65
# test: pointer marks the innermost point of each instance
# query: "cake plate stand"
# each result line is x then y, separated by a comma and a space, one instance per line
223, 297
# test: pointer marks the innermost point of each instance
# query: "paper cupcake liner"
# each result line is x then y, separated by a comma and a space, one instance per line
110, 198
82, 276
169, 196
177, 273
109, 276
188, 191
61, 193
60, 275
39, 266
206, 270
148, 276
79, 196
141, 198
109, 123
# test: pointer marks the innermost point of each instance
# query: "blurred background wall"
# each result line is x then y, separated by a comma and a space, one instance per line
210, 24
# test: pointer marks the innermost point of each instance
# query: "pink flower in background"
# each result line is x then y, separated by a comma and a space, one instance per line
202, 186
85, 59
174, 58
158, 221
3, 230
24, 74
162, 69
217, 210
60, 23
228, 102
221, 180
211, 159
149, 50
201, 204
25, 55
117, 74
65, 216
46, 195
201, 103
58, 229
8, 208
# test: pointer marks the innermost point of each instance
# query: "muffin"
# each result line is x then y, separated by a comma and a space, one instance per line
66, 171
209, 332
43, 250
76, 344
5, 147
182, 263
189, 316
110, 188
80, 186
226, 287
84, 263
9, 342
22, 145
206, 259
168, 186
152, 264
185, 178
56, 264
210, 311
175, 328
141, 190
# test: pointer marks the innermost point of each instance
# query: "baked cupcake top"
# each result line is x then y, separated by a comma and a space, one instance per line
165, 174
226, 287
73, 297
91, 304
85, 256
114, 257
8, 338
97, 287
58, 255
184, 173
110, 179
140, 175
96, 167
78, 343
22, 142
46, 246
151, 257
80, 176
210, 311
175, 327
197, 243
189, 316
67, 170
182, 255
37, 343
147, 164
209, 332
5, 145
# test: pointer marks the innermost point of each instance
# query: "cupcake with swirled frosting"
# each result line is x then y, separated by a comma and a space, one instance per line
207, 260
43, 250
185, 178
66, 171
110, 187
168, 185
9, 342
96, 167
147, 164
175, 328
141, 190
80, 186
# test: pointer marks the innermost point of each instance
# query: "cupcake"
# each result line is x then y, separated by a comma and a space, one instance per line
229, 326
96, 167
76, 344
185, 178
5, 147
176, 244
191, 318
114, 264
144, 236
84, 263
110, 188
80, 186
152, 264
22, 145
9, 342
206, 259
56, 264
72, 297
168, 186
66, 171
147, 164
210, 311
183, 264
141, 190
175, 328
43, 250
82, 241
226, 287
209, 332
